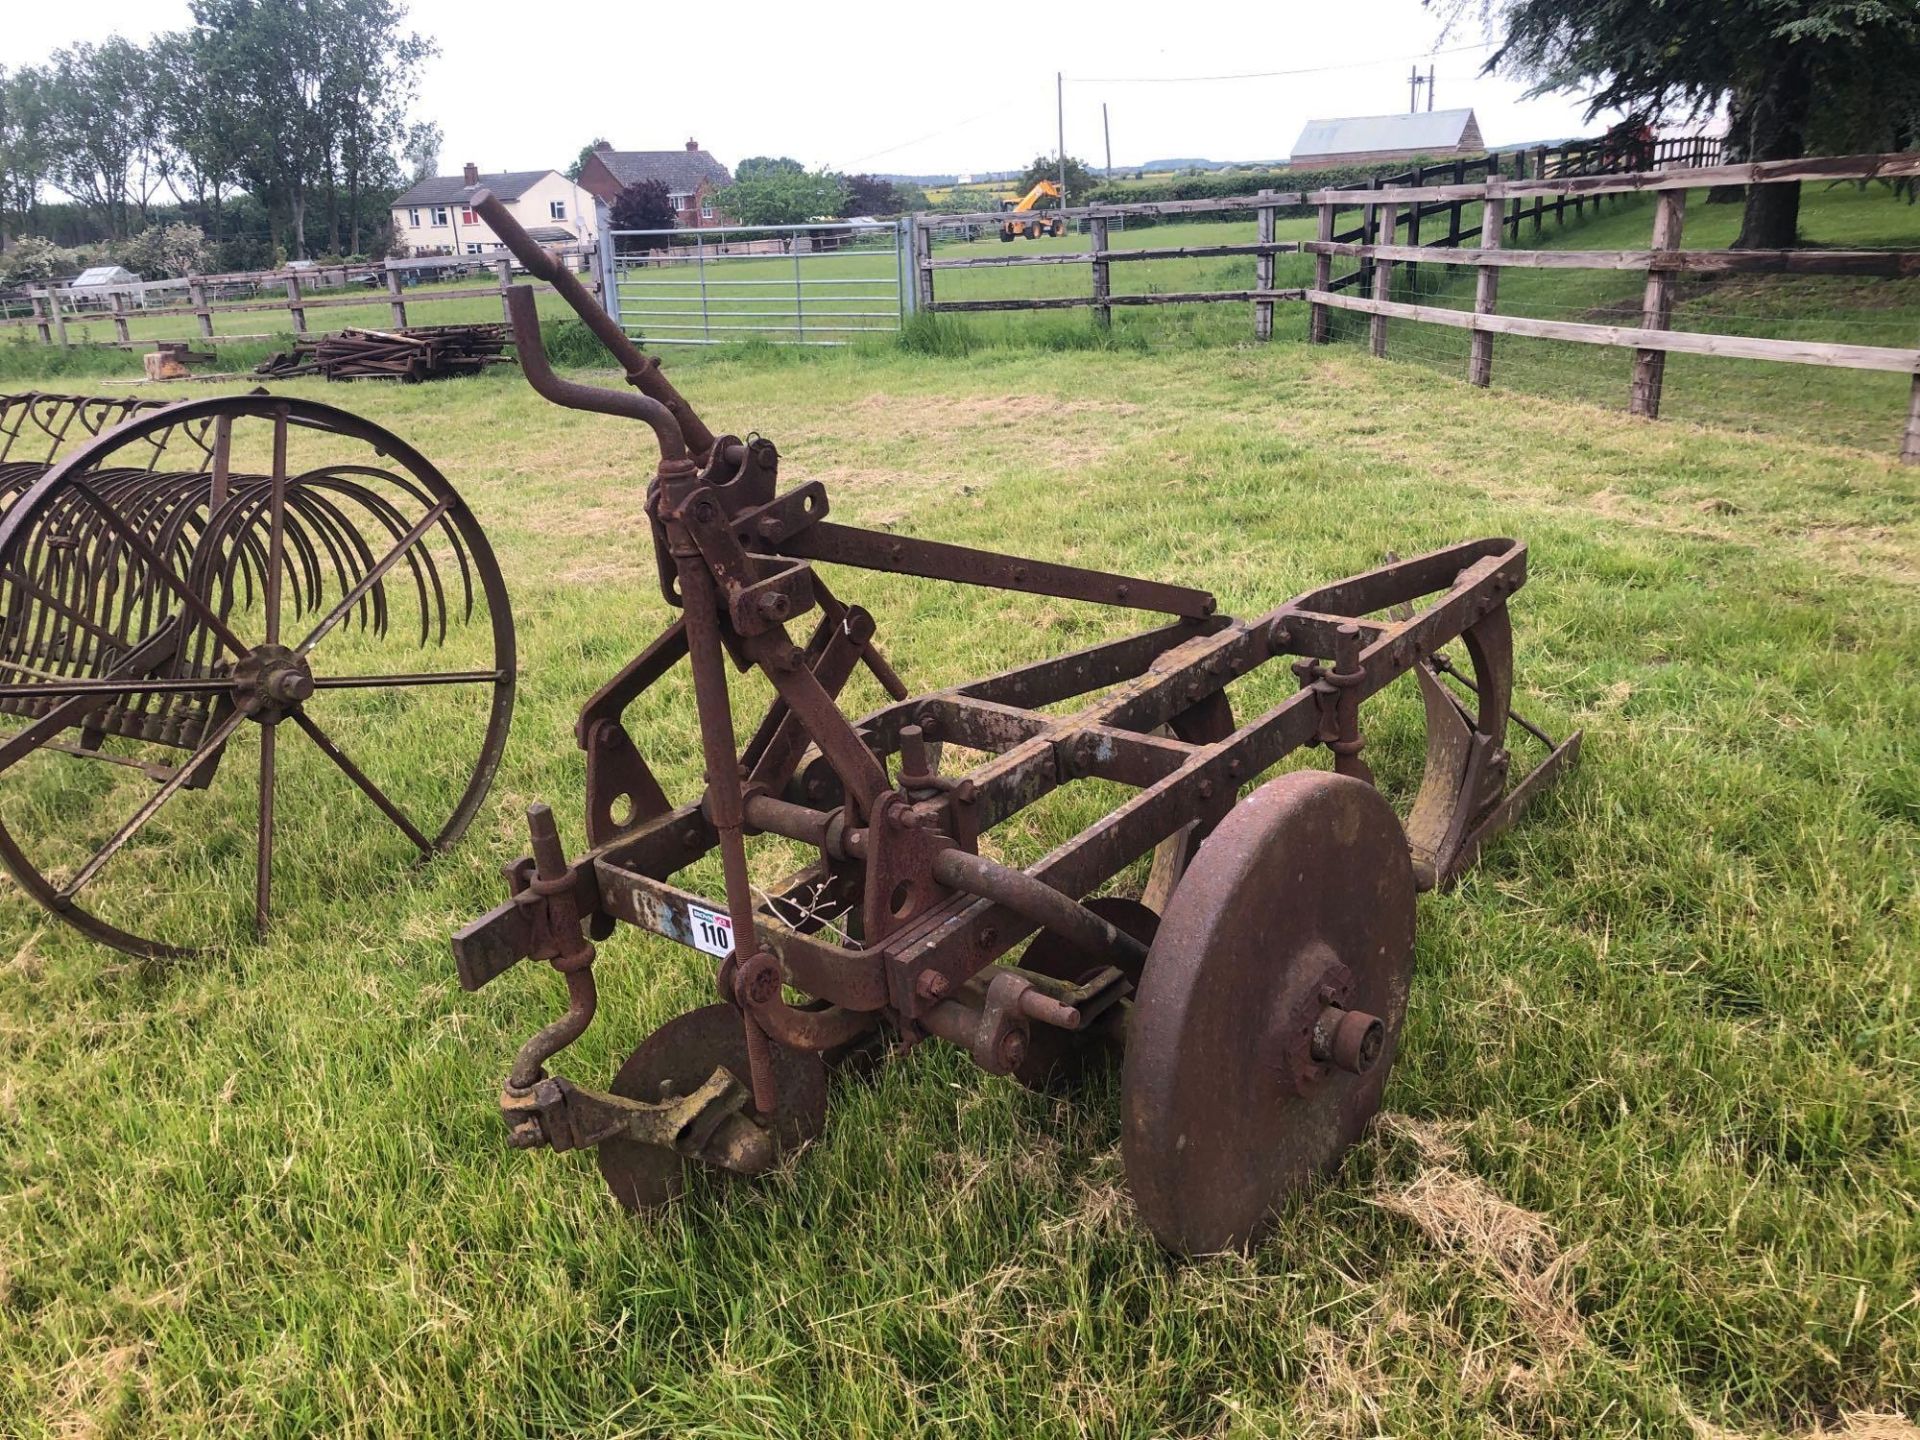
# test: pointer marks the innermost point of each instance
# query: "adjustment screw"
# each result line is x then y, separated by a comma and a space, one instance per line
773, 605
932, 985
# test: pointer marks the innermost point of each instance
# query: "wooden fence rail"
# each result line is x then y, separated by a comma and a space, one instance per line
53, 312
1549, 180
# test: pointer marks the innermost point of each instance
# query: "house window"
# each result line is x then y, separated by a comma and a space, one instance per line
413, 219
706, 207
473, 247
556, 209
467, 217
439, 216
681, 200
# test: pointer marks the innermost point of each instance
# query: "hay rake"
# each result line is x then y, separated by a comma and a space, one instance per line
173, 574
1258, 986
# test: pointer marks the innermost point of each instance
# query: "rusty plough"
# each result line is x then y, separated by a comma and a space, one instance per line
176, 575
1259, 986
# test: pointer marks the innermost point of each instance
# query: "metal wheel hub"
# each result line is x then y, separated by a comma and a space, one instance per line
1266, 1021
270, 681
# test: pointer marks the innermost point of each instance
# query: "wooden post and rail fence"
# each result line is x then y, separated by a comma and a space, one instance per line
54, 310
1505, 203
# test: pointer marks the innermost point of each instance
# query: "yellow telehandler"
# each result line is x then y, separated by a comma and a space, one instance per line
1032, 223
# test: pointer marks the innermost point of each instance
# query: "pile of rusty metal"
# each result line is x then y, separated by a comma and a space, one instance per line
1244, 941
425, 352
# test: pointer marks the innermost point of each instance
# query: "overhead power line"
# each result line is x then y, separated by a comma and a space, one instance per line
1269, 74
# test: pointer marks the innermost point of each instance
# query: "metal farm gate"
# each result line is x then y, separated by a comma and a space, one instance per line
818, 284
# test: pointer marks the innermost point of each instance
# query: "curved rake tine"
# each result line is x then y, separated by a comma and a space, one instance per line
276, 539
419, 560
146, 552
372, 577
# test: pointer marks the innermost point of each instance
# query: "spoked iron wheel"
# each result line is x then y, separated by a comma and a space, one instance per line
180, 589
1270, 1009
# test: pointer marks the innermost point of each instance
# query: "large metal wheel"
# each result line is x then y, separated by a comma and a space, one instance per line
181, 588
1270, 1009
677, 1059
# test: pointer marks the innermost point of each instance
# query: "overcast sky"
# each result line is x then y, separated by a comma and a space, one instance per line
900, 88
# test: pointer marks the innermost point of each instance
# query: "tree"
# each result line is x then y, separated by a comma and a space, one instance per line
765, 167
586, 154
102, 128
643, 205
870, 195
1839, 73
784, 197
1080, 180
313, 92
24, 158
201, 154
420, 151
163, 251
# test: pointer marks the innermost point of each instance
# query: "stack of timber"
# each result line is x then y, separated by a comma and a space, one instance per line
427, 352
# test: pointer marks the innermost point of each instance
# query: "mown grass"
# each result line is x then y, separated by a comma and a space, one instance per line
1649, 1164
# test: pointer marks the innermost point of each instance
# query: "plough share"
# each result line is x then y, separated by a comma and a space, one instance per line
1257, 988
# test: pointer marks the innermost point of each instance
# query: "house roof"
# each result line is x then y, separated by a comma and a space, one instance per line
453, 189
1429, 129
681, 171
551, 234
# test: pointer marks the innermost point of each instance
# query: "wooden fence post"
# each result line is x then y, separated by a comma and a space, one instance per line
1453, 220
197, 297
40, 320
1910, 446
1369, 235
1383, 281
395, 304
120, 332
1322, 278
1486, 285
1539, 173
294, 307
922, 260
1097, 238
59, 319
504, 269
1649, 366
1263, 273
1413, 218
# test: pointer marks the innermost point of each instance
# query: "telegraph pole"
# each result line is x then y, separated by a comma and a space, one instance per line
1060, 114
1413, 89
1107, 135
1429, 85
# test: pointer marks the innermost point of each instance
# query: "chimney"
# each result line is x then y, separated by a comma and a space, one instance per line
693, 144
472, 175
604, 146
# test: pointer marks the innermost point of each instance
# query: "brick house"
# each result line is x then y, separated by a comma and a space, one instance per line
692, 177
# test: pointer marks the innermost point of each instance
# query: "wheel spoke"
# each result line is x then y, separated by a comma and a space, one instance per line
147, 811
401, 682
373, 577
359, 777
263, 855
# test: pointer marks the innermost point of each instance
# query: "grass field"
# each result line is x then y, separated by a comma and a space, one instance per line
1649, 1161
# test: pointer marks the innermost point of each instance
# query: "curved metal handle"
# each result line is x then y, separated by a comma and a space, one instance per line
538, 369
643, 370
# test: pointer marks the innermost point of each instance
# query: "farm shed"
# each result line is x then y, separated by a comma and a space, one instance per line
1361, 139
691, 175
